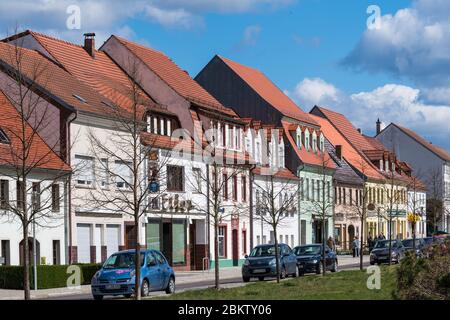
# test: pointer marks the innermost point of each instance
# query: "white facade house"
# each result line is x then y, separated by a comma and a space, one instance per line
430, 162
417, 203
271, 176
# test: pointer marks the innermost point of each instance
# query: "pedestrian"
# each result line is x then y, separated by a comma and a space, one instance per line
355, 247
370, 242
330, 243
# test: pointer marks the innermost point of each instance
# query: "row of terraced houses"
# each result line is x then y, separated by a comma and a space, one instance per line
330, 167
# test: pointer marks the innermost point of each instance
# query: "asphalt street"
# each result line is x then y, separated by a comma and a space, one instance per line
186, 286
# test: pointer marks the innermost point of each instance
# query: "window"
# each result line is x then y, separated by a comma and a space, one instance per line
4, 194
222, 241
286, 239
307, 189
344, 196
292, 241
3, 137
124, 175
104, 176
244, 188
237, 143
235, 188
56, 252
225, 186
264, 239
19, 195
281, 238
84, 167
258, 240
351, 196
224, 135
55, 198
281, 156
5, 252
198, 179
175, 178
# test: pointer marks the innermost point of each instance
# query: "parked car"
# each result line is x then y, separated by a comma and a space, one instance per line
419, 246
118, 276
380, 252
261, 262
309, 259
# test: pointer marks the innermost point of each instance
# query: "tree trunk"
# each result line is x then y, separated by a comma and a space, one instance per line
216, 256
323, 247
361, 246
390, 238
26, 264
277, 255
137, 261
413, 226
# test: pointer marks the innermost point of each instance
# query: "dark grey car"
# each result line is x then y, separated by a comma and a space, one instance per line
380, 252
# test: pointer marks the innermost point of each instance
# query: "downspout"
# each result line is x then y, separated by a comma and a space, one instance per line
251, 204
68, 198
208, 254
300, 191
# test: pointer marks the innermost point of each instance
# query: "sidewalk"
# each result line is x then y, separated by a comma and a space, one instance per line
182, 277
43, 293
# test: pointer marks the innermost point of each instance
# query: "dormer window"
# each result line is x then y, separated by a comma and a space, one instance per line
307, 143
160, 124
322, 143
281, 156
3, 137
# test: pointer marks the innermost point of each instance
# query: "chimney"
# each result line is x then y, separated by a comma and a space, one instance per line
339, 151
378, 126
359, 130
89, 44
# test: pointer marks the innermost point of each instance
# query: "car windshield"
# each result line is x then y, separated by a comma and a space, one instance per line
122, 261
409, 242
307, 250
264, 251
385, 244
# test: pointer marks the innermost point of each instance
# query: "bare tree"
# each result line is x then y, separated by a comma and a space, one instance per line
37, 201
213, 186
131, 159
322, 201
435, 205
277, 199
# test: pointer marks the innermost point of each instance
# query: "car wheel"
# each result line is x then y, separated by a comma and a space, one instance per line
98, 298
319, 268
334, 268
128, 296
171, 286
145, 288
283, 273
246, 279
261, 278
294, 275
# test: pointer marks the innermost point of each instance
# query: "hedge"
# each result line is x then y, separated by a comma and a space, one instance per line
49, 276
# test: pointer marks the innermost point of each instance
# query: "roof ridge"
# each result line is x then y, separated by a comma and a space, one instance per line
55, 39
121, 39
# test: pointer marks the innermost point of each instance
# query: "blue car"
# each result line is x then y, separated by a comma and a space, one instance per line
117, 275
309, 259
261, 262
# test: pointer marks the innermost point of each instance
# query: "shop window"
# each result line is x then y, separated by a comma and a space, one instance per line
178, 243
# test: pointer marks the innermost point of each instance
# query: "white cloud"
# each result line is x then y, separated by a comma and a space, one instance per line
108, 16
390, 103
414, 43
312, 91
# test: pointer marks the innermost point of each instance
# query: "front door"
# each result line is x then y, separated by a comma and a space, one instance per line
192, 242
130, 236
167, 241
235, 244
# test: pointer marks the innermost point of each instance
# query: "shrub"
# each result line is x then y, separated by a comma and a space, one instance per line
419, 278
49, 276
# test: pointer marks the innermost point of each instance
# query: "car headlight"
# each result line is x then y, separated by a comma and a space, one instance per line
315, 261
394, 254
95, 277
132, 273
273, 262
246, 263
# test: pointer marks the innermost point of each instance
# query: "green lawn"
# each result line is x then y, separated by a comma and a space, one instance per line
347, 285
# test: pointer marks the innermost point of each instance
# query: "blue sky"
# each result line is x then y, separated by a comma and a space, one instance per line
317, 51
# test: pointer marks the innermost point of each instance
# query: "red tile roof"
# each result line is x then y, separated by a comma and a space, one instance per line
281, 173
53, 78
443, 154
100, 73
308, 157
349, 153
346, 128
39, 153
178, 79
268, 91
